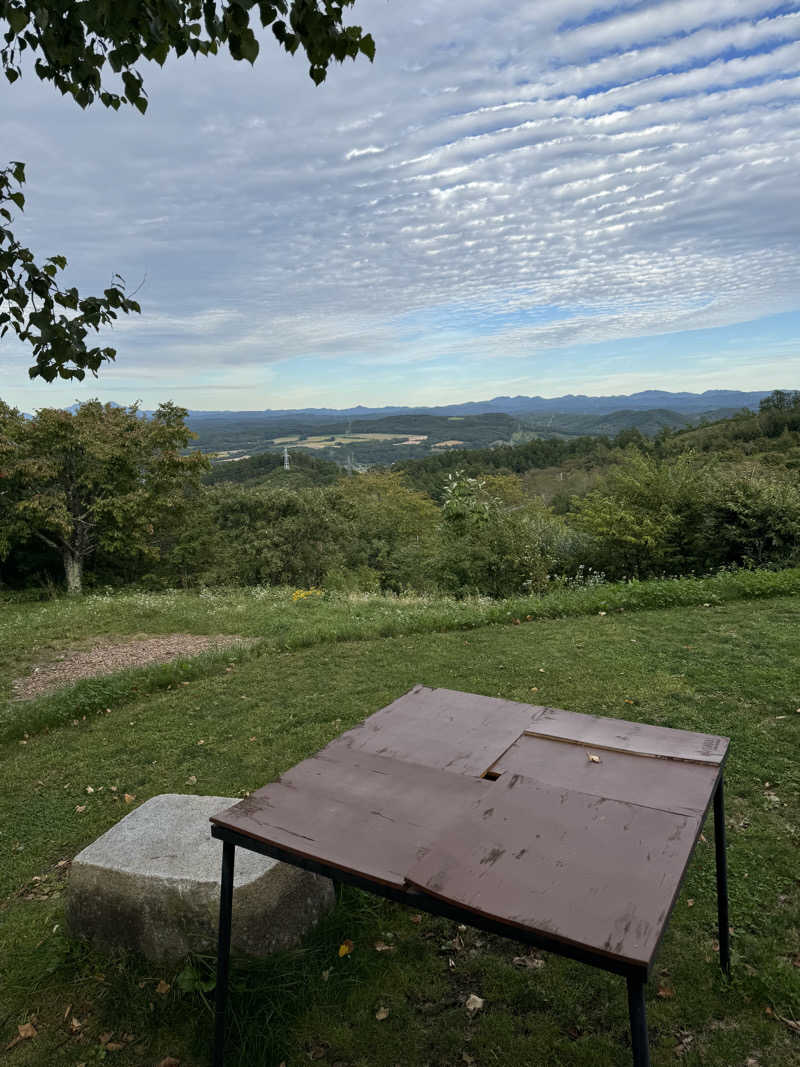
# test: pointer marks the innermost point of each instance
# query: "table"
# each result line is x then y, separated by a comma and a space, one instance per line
564, 831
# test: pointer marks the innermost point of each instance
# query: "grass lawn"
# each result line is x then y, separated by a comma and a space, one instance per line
729, 668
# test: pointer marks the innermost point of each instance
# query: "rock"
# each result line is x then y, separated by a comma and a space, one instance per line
151, 883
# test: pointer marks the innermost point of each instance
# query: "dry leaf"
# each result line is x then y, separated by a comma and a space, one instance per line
381, 946
67, 1010
690, 903
345, 948
75, 1025
665, 992
89, 789
192, 779
416, 919
602, 613
163, 987
24, 1032
534, 963
381, 1014
474, 1003
106, 1037
114, 1046
80, 809
592, 758
129, 798
326, 975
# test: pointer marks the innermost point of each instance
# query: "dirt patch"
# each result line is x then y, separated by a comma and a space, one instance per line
108, 657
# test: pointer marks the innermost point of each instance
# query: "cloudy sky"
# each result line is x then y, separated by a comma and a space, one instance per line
514, 198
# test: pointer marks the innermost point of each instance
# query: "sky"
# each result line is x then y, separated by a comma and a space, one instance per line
515, 198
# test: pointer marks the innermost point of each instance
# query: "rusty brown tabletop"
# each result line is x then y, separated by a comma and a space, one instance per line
566, 831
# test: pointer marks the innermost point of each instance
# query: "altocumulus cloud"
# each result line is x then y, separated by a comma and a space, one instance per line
511, 189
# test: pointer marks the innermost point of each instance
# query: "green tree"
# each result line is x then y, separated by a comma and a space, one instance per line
103, 477
488, 546
74, 44
393, 529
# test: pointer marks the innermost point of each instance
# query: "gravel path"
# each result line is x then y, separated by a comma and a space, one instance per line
107, 657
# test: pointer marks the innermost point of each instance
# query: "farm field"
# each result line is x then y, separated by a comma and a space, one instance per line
711, 663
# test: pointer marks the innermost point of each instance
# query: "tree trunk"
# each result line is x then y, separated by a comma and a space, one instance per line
73, 569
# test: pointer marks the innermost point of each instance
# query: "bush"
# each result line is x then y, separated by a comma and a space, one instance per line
493, 547
651, 516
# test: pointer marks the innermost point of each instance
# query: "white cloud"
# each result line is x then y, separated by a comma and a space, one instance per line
637, 172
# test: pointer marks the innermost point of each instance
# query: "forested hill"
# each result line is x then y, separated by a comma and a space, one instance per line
267, 468
383, 441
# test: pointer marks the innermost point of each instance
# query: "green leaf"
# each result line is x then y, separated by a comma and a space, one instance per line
17, 18
248, 46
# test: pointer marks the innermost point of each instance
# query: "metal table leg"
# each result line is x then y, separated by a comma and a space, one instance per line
722, 880
638, 1017
223, 950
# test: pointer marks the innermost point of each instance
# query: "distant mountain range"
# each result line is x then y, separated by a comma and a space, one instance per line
686, 403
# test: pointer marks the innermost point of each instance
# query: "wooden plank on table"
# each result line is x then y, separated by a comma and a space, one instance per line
619, 735
458, 732
669, 785
355, 810
592, 872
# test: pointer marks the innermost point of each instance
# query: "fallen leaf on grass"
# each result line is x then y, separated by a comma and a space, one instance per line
80, 809
114, 1046
129, 798
326, 975
416, 919
192, 779
684, 1044
106, 1037
534, 963
381, 946
381, 1014
24, 1032
345, 948
163, 987
474, 1003
75, 1025
665, 992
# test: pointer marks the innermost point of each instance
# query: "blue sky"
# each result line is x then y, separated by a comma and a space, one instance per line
514, 198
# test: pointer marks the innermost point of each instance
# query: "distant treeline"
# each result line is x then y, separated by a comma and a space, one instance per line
241, 471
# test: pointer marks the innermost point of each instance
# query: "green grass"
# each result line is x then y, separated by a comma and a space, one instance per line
34, 633
728, 668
